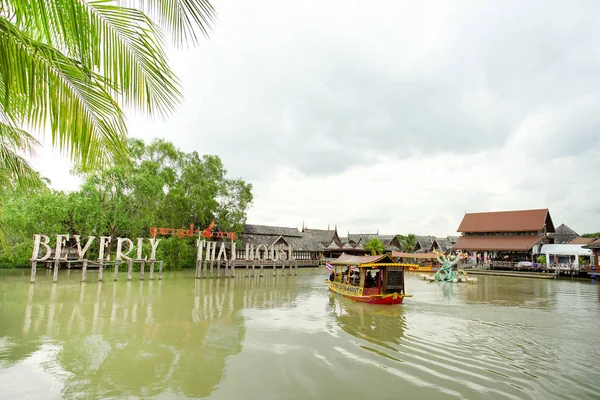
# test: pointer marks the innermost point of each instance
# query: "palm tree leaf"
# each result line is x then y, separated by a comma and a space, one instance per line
181, 18
14, 169
85, 121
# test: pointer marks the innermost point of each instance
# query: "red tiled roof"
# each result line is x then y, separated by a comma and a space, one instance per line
507, 221
499, 243
594, 245
582, 240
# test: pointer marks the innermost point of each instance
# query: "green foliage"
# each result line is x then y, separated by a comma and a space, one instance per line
591, 235
161, 187
541, 259
71, 66
375, 246
408, 242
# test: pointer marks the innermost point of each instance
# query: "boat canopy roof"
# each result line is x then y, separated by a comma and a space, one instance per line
427, 256
384, 260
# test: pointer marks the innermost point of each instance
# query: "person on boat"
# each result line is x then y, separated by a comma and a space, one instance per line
377, 279
355, 278
331, 276
369, 280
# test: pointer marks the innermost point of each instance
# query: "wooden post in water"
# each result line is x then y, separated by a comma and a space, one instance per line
142, 271
151, 276
198, 269
232, 272
212, 263
275, 268
160, 271
100, 267
55, 276
218, 268
33, 272
116, 269
129, 269
84, 271
262, 265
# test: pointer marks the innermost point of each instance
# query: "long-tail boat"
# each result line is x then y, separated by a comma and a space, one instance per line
357, 281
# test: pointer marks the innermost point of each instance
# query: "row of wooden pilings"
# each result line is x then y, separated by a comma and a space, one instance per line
84, 267
206, 268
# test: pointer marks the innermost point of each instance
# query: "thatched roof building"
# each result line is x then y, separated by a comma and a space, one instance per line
275, 235
563, 234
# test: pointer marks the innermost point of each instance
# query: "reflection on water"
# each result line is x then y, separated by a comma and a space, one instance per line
123, 339
290, 338
383, 326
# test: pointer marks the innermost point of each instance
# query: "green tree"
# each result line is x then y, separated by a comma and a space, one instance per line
375, 246
70, 66
161, 187
408, 242
591, 235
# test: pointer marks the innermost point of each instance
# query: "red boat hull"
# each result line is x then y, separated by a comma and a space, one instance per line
386, 299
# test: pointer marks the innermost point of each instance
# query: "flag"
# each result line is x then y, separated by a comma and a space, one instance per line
328, 267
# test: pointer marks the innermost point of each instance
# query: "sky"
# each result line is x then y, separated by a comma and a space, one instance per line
393, 116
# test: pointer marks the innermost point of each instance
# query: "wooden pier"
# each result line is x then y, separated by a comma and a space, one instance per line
537, 275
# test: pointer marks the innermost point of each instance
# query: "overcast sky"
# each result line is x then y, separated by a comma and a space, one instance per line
397, 116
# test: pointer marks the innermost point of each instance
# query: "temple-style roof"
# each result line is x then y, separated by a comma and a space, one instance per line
498, 243
507, 221
274, 235
270, 230
442, 244
323, 236
563, 234
356, 237
424, 243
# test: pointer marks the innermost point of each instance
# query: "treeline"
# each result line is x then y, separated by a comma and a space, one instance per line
161, 187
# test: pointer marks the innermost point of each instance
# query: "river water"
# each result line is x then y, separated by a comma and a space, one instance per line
290, 338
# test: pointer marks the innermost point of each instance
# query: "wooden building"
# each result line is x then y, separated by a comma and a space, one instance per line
305, 247
505, 235
595, 247
424, 243
444, 245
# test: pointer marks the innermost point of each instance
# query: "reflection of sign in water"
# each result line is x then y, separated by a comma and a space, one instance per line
347, 289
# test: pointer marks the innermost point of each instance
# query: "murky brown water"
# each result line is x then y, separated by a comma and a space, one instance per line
289, 338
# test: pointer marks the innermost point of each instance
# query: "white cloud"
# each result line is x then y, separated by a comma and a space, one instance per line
397, 116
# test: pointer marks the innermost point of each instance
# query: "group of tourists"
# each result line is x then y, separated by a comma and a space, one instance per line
354, 278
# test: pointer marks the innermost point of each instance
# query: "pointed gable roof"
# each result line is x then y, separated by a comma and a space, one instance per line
424, 243
507, 221
323, 236
564, 234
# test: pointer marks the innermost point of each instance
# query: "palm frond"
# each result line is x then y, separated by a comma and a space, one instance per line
14, 169
40, 83
181, 18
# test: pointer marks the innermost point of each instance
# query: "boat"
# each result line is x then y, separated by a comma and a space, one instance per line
368, 279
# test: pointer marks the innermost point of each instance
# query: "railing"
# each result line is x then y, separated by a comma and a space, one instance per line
533, 266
